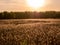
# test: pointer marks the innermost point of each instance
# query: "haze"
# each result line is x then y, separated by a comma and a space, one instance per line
20, 5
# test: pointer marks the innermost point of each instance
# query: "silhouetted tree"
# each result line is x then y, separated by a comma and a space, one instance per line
28, 15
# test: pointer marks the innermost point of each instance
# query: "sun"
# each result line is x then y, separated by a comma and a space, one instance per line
35, 3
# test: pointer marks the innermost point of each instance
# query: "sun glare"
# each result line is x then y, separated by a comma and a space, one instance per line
35, 3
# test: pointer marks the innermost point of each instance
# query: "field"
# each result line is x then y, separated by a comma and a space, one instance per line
30, 32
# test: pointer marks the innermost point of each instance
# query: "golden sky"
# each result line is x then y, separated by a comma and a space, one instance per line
20, 5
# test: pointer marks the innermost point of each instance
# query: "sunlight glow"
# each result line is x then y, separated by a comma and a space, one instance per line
35, 3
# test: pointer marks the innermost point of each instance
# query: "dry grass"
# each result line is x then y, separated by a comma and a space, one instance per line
29, 34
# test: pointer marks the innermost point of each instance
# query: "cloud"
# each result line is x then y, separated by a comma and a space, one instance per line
11, 1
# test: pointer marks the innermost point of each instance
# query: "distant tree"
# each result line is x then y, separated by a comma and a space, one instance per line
26, 15
1, 16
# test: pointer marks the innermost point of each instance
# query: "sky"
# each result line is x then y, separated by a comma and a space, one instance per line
21, 5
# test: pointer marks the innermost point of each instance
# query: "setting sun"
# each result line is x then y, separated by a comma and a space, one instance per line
35, 3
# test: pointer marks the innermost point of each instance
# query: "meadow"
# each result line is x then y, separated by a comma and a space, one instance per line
30, 32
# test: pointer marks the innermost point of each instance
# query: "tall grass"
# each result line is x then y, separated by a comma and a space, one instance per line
29, 34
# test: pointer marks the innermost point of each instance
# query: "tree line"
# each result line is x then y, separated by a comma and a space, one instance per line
29, 15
